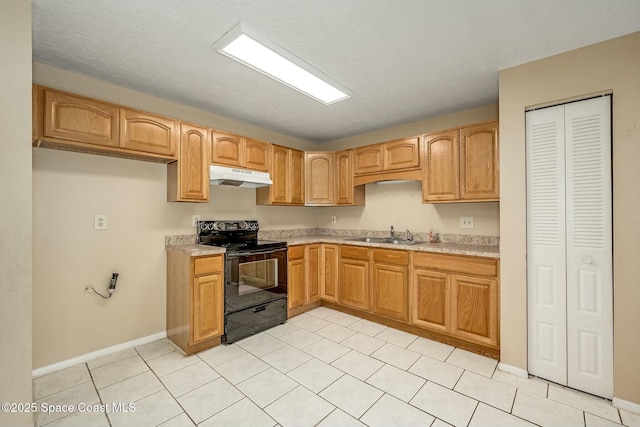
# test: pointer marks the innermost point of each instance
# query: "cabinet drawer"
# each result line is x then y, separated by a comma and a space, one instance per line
296, 252
207, 265
354, 252
456, 263
390, 256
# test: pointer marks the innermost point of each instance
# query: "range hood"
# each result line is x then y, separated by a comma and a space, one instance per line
220, 175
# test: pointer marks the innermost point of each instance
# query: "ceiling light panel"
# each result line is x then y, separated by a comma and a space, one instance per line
257, 52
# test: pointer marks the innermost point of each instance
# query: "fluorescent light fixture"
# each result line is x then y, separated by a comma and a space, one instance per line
255, 51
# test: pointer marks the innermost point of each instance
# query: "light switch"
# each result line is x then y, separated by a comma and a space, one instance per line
99, 222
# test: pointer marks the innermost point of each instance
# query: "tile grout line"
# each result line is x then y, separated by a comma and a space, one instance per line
95, 387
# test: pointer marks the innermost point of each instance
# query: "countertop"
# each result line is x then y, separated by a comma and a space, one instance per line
196, 250
445, 248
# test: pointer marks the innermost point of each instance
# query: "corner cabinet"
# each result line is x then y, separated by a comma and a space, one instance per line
320, 187
188, 177
456, 295
462, 165
288, 176
195, 300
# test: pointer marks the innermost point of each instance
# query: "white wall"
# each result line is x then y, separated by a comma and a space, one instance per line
15, 208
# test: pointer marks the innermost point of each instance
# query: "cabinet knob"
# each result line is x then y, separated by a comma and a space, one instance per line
587, 260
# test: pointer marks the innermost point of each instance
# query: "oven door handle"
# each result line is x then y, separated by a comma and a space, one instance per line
267, 252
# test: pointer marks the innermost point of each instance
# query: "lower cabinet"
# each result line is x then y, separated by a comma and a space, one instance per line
312, 258
329, 272
390, 284
353, 290
296, 292
456, 295
195, 300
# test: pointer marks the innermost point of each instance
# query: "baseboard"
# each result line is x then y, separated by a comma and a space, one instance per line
518, 372
626, 405
95, 354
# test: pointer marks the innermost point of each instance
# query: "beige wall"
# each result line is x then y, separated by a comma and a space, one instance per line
401, 205
15, 208
68, 255
612, 65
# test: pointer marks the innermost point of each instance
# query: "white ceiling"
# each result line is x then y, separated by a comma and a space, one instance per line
405, 60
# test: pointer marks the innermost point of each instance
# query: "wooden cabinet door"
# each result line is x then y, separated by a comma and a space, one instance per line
296, 286
442, 169
207, 297
312, 271
319, 178
256, 155
193, 164
79, 119
329, 276
148, 133
479, 169
280, 175
344, 177
226, 149
296, 179
368, 159
474, 309
389, 291
431, 297
354, 283
402, 154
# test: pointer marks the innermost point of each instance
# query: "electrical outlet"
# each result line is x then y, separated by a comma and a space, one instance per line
333, 220
194, 220
99, 222
466, 222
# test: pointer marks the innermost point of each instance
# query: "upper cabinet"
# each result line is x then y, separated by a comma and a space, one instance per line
145, 132
288, 176
479, 167
345, 192
320, 187
236, 151
79, 119
71, 122
188, 178
329, 179
402, 154
461, 165
388, 156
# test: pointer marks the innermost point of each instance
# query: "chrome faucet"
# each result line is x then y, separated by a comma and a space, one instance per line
393, 233
409, 235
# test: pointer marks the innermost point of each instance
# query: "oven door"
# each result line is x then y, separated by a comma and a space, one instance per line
254, 278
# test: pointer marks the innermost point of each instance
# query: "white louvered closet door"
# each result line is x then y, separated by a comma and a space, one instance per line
570, 276
546, 244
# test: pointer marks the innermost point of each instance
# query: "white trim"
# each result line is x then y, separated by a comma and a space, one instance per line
626, 405
518, 372
98, 353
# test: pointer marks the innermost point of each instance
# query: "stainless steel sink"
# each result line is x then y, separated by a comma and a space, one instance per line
387, 240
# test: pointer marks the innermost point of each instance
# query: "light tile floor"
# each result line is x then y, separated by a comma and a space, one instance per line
322, 368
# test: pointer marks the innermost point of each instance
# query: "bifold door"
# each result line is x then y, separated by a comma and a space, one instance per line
569, 245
